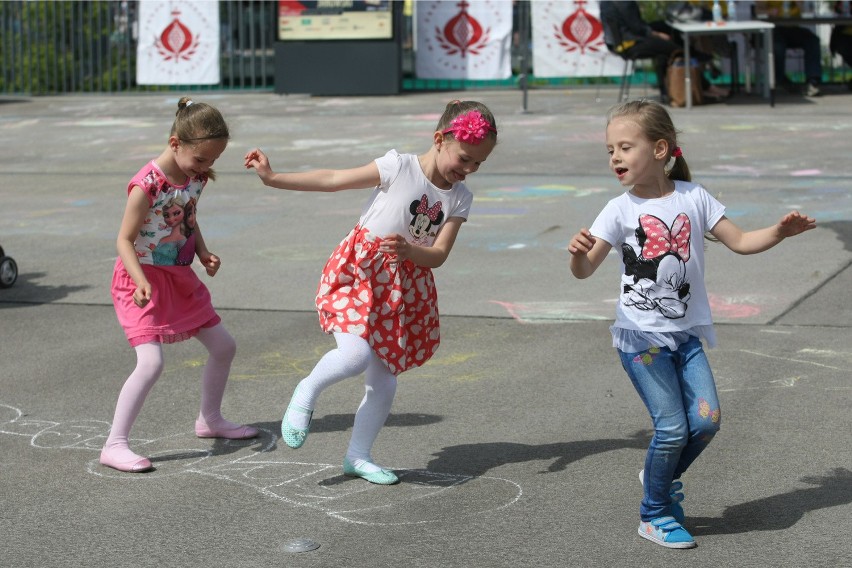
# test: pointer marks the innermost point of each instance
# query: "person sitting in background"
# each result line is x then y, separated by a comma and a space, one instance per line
841, 39
628, 35
793, 37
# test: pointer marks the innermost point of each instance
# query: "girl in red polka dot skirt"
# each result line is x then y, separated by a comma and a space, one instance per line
377, 295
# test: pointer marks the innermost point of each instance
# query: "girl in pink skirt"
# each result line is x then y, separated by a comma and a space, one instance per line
377, 294
158, 297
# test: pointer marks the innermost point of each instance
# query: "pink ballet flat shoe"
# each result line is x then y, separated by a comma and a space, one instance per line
135, 465
202, 430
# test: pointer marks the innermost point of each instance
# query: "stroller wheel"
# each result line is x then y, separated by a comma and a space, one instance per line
8, 271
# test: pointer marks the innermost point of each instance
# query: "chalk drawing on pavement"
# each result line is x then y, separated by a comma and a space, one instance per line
802, 360
551, 312
422, 497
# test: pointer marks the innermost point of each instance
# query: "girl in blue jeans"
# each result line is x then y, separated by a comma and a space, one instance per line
663, 312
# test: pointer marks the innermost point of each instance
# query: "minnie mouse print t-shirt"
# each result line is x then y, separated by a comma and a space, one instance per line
662, 251
407, 203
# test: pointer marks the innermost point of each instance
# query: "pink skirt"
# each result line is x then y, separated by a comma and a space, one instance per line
180, 305
394, 306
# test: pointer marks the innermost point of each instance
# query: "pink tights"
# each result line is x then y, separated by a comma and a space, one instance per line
149, 365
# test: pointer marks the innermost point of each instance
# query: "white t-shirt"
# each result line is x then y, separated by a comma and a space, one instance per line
661, 242
407, 203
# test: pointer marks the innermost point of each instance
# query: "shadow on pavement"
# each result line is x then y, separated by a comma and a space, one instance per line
27, 291
477, 459
779, 512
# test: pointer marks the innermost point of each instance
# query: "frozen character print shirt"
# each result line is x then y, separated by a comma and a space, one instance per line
165, 235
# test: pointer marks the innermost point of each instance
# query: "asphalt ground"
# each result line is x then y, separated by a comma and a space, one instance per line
519, 444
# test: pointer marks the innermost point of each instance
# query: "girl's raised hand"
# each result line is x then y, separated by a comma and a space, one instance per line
581, 243
258, 160
795, 223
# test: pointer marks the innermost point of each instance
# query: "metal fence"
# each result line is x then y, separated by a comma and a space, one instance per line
76, 46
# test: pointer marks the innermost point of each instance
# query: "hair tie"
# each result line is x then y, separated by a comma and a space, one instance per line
470, 127
677, 152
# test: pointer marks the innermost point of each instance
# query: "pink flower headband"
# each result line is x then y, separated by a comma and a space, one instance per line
470, 127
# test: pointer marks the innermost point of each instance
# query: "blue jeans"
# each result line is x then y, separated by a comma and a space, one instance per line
678, 389
797, 37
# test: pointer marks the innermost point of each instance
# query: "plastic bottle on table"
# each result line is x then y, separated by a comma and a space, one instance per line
732, 11
717, 12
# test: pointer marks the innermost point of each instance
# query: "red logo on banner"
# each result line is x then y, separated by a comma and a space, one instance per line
462, 34
580, 31
176, 40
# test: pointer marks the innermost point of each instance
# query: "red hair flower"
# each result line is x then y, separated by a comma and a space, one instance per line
470, 127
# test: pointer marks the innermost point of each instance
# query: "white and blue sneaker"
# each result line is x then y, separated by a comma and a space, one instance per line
675, 508
667, 532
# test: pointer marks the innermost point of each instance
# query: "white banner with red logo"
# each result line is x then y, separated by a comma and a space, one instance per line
568, 41
178, 43
463, 40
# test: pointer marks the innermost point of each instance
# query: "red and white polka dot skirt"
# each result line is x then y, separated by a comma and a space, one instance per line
394, 306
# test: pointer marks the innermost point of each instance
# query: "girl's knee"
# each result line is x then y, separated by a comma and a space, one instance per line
224, 351
220, 344
228, 348
150, 360
383, 388
356, 355
673, 437
706, 431
708, 419
151, 367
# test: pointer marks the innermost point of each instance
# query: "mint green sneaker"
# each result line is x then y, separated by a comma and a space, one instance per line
381, 477
295, 437
667, 532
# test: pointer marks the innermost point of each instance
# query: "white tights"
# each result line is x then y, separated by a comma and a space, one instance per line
353, 356
149, 366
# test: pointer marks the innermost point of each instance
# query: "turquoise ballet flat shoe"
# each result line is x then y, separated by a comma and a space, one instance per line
381, 477
292, 436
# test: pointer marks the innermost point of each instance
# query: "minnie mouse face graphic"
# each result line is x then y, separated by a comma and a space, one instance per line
424, 217
659, 274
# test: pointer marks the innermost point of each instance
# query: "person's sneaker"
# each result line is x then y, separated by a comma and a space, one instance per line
675, 508
667, 532
812, 91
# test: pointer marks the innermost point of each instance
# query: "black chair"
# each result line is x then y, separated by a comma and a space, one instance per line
626, 74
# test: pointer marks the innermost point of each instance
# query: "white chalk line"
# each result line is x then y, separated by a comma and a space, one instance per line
290, 482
